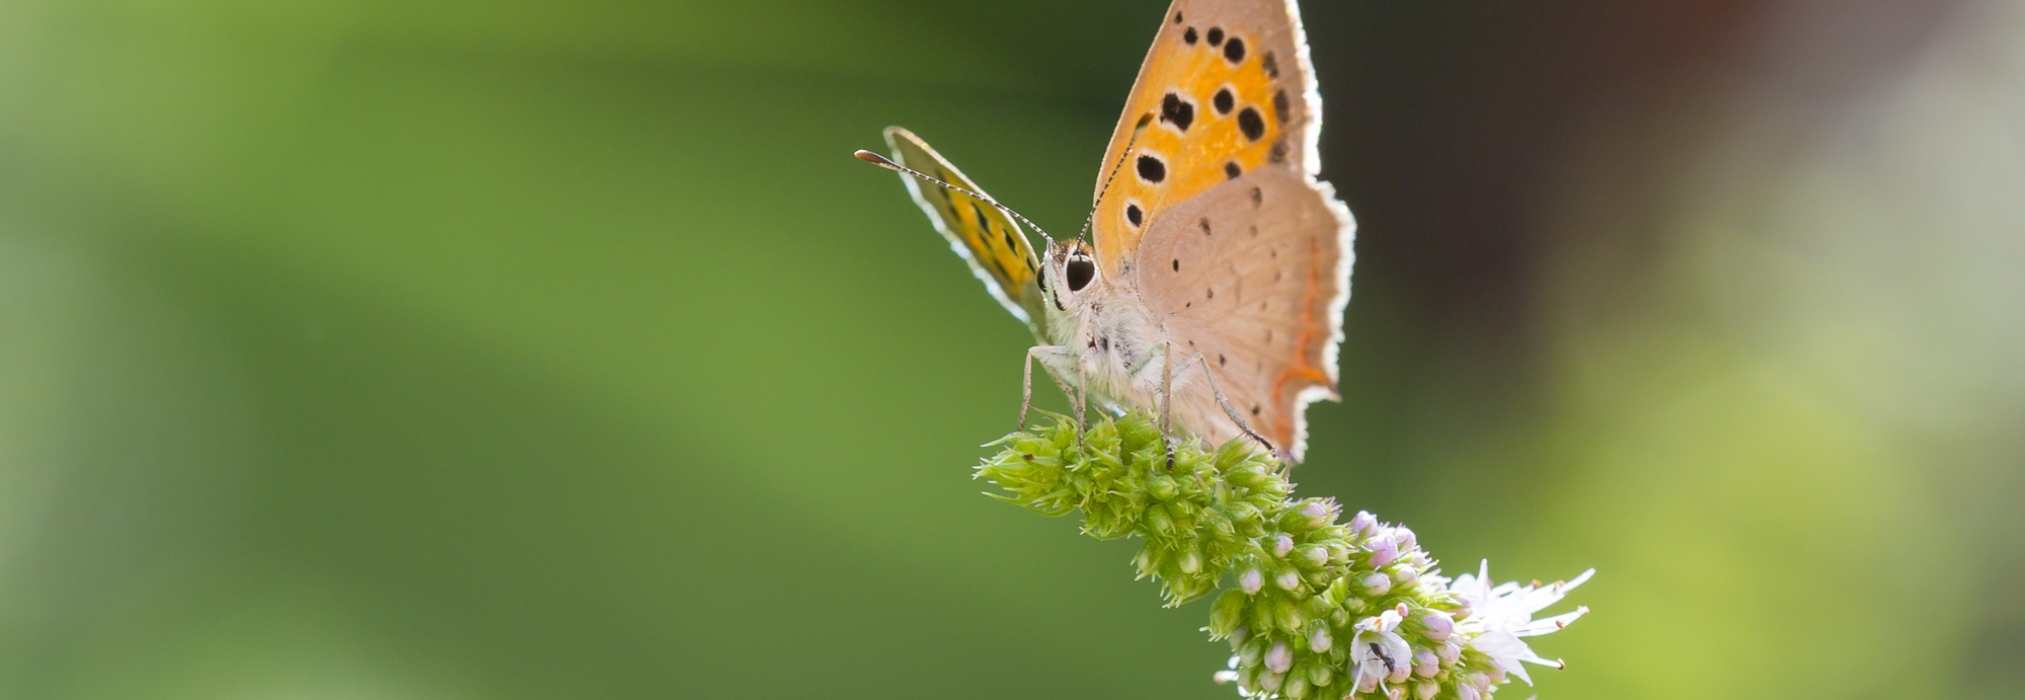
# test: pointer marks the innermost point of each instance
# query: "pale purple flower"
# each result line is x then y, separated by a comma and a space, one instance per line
1363, 521
1383, 550
1320, 641
1439, 625
1377, 584
1279, 658
1250, 581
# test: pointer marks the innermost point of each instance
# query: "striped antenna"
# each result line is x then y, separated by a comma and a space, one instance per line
888, 164
1137, 129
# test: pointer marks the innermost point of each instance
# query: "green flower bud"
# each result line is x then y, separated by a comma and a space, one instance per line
1158, 521
1320, 675
1295, 687
1162, 488
1287, 617
1226, 614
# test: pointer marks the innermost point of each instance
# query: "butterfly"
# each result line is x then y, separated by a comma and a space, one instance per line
1213, 285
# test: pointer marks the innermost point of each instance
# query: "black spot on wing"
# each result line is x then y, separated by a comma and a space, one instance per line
1215, 36
1223, 101
983, 224
1280, 106
1189, 36
1177, 18
1271, 65
1258, 198
1177, 111
1204, 223
1253, 125
1133, 214
1219, 359
1231, 170
1234, 51
1278, 154
1177, 264
1152, 170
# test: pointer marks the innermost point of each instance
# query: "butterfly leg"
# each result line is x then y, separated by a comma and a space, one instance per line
1042, 353
1162, 351
1167, 404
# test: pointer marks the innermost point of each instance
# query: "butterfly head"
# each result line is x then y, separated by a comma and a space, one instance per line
1069, 276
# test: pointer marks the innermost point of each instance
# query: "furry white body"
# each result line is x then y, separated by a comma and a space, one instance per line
1107, 345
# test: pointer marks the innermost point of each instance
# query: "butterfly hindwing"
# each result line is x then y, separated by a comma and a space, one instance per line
1254, 274
1225, 90
994, 245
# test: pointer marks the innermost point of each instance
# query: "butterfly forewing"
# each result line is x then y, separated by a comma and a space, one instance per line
1225, 90
994, 245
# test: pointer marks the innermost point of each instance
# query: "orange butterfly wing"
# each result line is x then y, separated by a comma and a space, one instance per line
1245, 256
1226, 89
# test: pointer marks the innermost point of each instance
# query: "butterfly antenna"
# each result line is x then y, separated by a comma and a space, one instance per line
888, 164
1106, 187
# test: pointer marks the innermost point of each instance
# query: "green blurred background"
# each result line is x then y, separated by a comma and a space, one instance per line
536, 349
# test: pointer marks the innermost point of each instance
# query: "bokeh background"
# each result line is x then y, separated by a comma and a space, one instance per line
539, 349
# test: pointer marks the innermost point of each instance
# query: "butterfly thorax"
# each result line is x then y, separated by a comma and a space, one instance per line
1110, 342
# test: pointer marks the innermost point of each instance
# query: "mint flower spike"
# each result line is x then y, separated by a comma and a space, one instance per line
1314, 607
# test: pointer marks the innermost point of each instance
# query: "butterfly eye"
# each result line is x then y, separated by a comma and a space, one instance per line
1080, 271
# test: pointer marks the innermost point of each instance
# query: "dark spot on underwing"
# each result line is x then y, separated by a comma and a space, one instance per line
1211, 294
1177, 18
1255, 409
1204, 223
1234, 51
1104, 342
1133, 214
1276, 275
1223, 101
1189, 36
1253, 125
1271, 65
1177, 264
1254, 230
1278, 154
1280, 105
1152, 170
1269, 336
1009, 240
1219, 359
1177, 111
1231, 170
1258, 198
1215, 36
